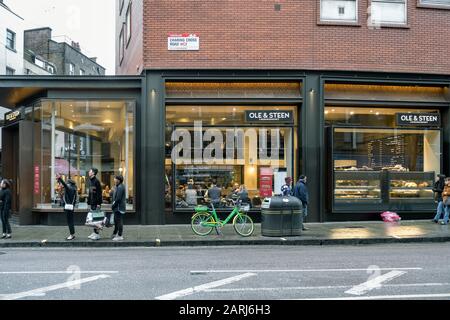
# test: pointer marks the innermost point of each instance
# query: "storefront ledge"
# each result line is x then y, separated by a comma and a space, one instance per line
217, 242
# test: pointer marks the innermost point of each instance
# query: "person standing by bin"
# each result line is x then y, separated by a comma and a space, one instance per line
5, 207
286, 189
69, 198
95, 198
118, 208
301, 192
438, 189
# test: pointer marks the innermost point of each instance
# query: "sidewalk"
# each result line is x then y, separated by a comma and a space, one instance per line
337, 233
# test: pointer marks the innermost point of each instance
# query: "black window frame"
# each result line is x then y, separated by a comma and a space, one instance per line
122, 44
8, 40
128, 25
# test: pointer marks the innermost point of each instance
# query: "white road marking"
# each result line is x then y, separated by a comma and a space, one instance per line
295, 270
203, 287
405, 296
324, 287
41, 291
57, 272
376, 282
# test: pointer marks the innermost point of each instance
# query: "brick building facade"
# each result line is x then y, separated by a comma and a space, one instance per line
285, 34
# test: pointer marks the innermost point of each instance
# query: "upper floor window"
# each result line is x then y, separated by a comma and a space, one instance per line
10, 40
121, 3
339, 10
121, 45
71, 69
388, 11
128, 23
437, 3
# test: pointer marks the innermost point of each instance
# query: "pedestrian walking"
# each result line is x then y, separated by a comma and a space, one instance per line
5, 208
301, 192
446, 201
95, 198
438, 188
69, 198
286, 188
118, 208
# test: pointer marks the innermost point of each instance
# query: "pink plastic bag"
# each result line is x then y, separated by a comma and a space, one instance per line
389, 216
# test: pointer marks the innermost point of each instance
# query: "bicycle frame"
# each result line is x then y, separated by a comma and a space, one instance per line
220, 223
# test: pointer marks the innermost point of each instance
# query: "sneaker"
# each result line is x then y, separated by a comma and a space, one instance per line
8, 236
71, 237
113, 236
4, 236
96, 237
92, 236
435, 221
443, 223
118, 238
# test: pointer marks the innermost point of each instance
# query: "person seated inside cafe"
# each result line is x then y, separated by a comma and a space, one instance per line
214, 194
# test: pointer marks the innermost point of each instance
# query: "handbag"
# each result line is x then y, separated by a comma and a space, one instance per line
70, 207
95, 218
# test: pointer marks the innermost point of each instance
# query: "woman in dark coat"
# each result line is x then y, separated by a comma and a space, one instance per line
70, 196
438, 188
5, 208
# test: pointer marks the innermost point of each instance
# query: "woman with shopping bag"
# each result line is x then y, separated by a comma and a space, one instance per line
70, 198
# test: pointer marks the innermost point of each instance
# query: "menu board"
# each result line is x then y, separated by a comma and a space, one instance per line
386, 152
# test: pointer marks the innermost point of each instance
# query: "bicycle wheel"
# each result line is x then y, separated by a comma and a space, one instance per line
243, 225
197, 223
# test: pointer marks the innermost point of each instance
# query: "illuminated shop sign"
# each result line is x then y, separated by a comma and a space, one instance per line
269, 116
418, 119
13, 116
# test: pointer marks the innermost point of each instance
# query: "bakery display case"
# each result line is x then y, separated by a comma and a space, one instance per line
357, 185
411, 185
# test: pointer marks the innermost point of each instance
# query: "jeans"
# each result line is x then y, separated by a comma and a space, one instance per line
439, 211
70, 222
5, 222
447, 213
305, 211
118, 223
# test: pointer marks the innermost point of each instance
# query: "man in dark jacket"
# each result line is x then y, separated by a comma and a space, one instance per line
438, 188
95, 198
301, 192
118, 208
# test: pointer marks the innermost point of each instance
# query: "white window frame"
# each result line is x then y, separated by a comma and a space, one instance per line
128, 22
82, 72
71, 69
434, 3
340, 20
390, 23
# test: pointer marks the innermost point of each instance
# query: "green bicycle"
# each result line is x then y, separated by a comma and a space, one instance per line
204, 220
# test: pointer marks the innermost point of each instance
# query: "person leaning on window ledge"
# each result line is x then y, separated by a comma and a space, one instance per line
5, 207
69, 198
95, 198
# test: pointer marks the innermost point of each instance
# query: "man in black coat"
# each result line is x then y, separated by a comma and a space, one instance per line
95, 198
118, 208
301, 192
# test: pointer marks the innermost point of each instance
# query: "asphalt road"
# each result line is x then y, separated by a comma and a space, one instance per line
406, 271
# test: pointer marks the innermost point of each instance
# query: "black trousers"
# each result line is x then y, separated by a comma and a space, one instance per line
118, 223
5, 222
70, 223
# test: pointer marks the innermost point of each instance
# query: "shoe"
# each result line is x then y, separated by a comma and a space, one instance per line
305, 228
435, 221
113, 236
443, 223
8, 236
118, 238
92, 236
71, 237
96, 237
4, 236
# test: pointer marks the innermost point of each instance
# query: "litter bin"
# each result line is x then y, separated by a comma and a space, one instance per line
281, 216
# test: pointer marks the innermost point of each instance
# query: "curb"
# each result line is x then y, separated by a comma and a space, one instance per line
220, 242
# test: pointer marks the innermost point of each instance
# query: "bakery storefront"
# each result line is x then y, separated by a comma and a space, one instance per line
383, 155
236, 144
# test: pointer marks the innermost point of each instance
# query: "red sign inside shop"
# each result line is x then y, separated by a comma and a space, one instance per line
265, 182
36, 180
